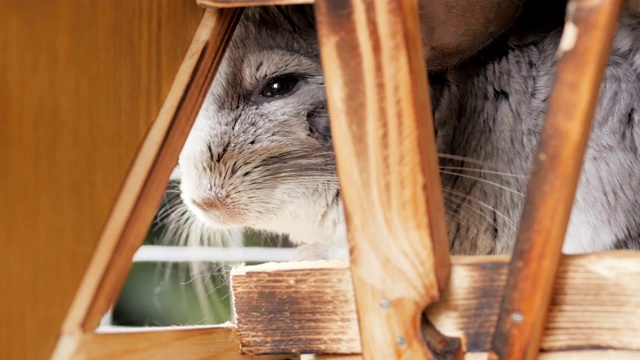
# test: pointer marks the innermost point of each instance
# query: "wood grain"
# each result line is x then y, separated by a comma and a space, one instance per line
81, 83
211, 342
560, 355
583, 54
147, 180
288, 294
385, 149
247, 3
309, 307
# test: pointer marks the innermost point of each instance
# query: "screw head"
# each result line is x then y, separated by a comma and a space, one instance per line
517, 317
384, 303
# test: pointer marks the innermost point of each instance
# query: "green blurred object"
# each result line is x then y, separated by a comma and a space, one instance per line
154, 296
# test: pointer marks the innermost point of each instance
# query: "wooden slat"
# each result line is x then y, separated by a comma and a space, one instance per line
385, 149
247, 3
82, 82
560, 355
309, 307
148, 177
299, 323
211, 342
583, 53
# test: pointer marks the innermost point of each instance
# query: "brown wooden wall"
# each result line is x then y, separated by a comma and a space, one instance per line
80, 82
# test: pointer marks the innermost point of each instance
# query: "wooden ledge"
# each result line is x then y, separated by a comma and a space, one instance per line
560, 355
190, 342
248, 3
310, 308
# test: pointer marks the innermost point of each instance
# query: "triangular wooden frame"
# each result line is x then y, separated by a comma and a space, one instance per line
140, 196
137, 202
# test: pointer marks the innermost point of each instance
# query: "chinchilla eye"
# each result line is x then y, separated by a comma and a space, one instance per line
279, 86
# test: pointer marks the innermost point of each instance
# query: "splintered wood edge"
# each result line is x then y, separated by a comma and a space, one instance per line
248, 3
195, 342
308, 308
146, 181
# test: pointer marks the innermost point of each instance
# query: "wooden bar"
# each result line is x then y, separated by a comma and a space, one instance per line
148, 177
560, 355
248, 3
583, 54
303, 307
193, 342
310, 307
385, 149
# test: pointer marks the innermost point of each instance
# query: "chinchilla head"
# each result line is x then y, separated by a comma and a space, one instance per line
260, 154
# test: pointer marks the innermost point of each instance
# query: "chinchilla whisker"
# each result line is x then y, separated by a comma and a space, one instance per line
463, 158
481, 203
483, 171
458, 215
484, 181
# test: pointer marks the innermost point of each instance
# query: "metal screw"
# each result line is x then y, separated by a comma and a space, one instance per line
384, 303
401, 341
517, 317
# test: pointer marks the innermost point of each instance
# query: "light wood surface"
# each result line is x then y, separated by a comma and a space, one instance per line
582, 57
212, 342
295, 306
81, 83
385, 149
559, 355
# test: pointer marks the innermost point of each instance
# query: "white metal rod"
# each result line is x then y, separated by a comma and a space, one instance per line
153, 253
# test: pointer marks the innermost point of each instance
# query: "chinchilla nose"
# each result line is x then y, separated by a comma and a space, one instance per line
211, 203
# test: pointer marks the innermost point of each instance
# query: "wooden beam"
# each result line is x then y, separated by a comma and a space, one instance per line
146, 182
247, 3
582, 58
310, 307
194, 342
385, 150
559, 355
306, 316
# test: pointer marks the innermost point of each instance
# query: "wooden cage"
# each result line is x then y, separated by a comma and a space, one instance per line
538, 303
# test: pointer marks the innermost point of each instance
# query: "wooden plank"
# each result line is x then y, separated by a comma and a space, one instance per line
194, 342
299, 323
148, 177
560, 355
583, 54
247, 3
309, 307
385, 150
82, 81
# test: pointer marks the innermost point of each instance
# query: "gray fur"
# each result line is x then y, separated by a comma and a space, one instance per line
272, 161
